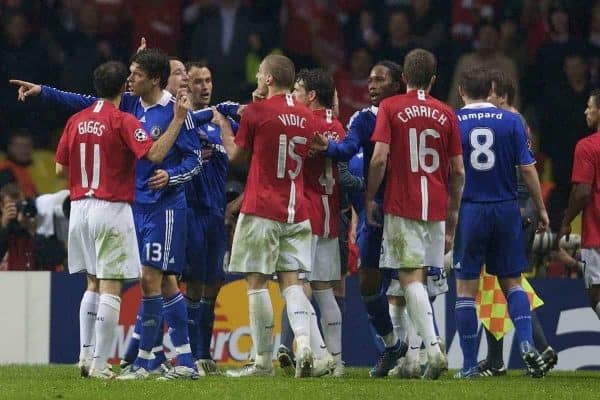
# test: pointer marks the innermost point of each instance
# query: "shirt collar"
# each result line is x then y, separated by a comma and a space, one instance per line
483, 104
163, 101
374, 109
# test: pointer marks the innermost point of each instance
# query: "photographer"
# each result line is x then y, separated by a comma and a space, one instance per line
23, 248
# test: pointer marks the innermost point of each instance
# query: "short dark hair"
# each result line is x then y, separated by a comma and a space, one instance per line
11, 190
196, 64
395, 72
155, 63
281, 69
504, 85
321, 82
419, 67
475, 82
595, 95
109, 79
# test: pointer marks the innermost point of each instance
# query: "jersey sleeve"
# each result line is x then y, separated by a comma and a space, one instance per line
383, 129
134, 136
454, 141
346, 149
73, 101
62, 151
187, 144
244, 137
524, 154
583, 165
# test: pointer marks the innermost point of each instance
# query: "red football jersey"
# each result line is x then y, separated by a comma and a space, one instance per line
321, 181
586, 169
99, 146
423, 134
278, 132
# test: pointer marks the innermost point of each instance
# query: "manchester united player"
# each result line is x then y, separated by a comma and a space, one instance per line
314, 88
585, 197
97, 152
273, 232
423, 185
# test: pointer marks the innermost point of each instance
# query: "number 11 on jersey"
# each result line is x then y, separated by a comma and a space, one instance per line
95, 166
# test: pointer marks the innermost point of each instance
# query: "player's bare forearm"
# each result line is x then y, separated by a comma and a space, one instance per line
532, 181
580, 196
377, 170
235, 153
456, 183
161, 147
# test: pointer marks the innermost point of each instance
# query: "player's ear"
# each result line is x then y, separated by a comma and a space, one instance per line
312, 95
432, 81
404, 79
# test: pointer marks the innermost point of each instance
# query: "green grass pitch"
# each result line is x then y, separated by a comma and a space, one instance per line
63, 382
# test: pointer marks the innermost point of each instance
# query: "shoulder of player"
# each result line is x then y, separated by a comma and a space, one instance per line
588, 143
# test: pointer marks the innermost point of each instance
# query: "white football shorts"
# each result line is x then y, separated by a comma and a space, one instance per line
102, 240
264, 246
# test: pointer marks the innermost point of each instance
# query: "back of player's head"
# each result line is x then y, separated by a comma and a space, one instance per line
321, 82
595, 95
504, 85
395, 72
419, 68
281, 69
475, 82
110, 78
155, 63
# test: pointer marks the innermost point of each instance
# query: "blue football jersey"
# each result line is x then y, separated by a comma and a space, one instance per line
494, 143
182, 162
358, 135
206, 191
356, 168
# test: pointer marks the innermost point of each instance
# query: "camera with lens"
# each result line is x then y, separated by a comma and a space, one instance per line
27, 208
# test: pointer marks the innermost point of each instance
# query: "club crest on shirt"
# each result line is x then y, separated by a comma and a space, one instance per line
140, 135
155, 132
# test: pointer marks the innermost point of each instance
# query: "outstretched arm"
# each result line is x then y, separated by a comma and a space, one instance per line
72, 101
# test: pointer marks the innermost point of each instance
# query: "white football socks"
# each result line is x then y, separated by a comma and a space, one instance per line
299, 312
414, 341
331, 322
106, 329
399, 318
87, 321
261, 325
421, 315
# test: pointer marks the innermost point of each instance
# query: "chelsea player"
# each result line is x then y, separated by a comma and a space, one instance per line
159, 210
494, 142
207, 238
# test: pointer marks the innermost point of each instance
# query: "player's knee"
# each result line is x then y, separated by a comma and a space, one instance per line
369, 281
193, 290
92, 283
151, 281
397, 301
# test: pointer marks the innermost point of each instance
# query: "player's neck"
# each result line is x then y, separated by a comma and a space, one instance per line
412, 88
468, 101
275, 91
116, 101
152, 97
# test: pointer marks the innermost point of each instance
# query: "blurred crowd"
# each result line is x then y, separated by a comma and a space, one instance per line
551, 47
